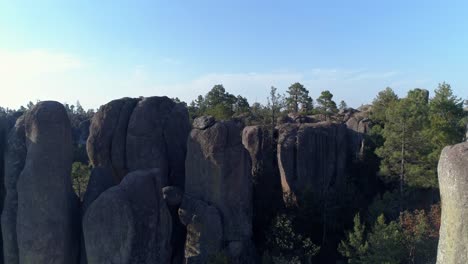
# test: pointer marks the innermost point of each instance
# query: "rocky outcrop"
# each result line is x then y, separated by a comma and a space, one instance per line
136, 134
3, 132
260, 141
129, 223
100, 180
453, 184
218, 173
311, 157
132, 134
358, 124
14, 164
204, 230
40, 219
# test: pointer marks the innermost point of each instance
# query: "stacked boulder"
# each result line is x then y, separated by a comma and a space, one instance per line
453, 185
40, 217
130, 222
217, 205
129, 135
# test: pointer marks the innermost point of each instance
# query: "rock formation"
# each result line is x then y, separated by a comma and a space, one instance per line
218, 179
260, 141
40, 219
311, 157
129, 223
99, 181
453, 184
131, 134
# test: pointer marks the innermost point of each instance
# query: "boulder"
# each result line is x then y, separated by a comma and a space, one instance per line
47, 214
131, 134
453, 185
107, 136
218, 172
130, 222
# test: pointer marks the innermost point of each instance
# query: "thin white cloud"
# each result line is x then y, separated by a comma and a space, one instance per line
36, 62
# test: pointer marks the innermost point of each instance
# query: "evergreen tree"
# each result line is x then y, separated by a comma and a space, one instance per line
404, 153
446, 118
384, 100
386, 243
355, 247
343, 105
298, 98
326, 105
274, 105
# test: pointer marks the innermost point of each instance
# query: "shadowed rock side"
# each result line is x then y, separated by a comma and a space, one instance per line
267, 194
14, 164
311, 157
218, 173
100, 180
42, 209
453, 184
3, 133
129, 223
134, 134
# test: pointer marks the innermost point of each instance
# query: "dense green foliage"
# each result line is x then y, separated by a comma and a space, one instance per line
80, 177
393, 191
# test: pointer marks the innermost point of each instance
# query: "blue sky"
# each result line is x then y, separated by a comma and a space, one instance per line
96, 51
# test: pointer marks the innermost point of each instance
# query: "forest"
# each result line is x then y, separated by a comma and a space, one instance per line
393, 204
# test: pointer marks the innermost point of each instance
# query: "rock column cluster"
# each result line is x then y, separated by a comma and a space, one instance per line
40, 220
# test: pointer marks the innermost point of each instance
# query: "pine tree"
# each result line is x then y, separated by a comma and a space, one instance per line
298, 98
355, 247
326, 105
274, 105
404, 153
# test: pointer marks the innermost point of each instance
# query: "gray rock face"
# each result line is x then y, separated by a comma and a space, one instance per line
107, 139
267, 193
358, 125
136, 134
129, 223
203, 122
311, 157
100, 180
132, 134
453, 185
218, 172
3, 132
43, 210
14, 164
204, 230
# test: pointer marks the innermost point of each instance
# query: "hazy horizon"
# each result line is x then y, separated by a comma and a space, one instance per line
105, 50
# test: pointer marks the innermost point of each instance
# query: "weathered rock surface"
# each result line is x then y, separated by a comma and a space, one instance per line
14, 164
129, 223
204, 230
218, 172
453, 184
134, 134
100, 180
41, 206
311, 157
267, 194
